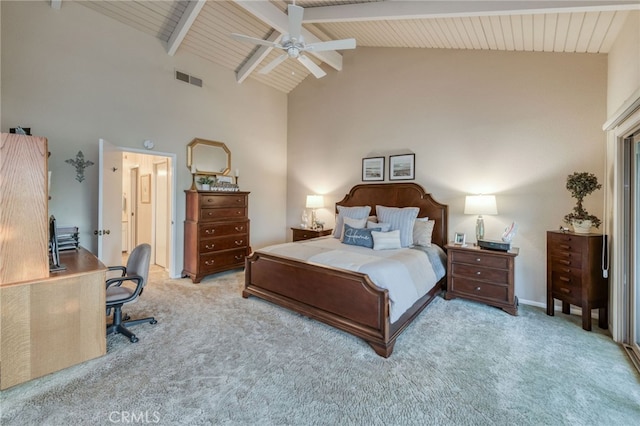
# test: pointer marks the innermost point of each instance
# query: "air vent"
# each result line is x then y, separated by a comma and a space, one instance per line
188, 78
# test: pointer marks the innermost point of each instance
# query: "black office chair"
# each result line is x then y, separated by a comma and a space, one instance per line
135, 273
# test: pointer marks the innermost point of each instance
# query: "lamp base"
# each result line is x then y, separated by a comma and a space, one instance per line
479, 228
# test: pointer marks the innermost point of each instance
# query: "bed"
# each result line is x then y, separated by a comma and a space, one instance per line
345, 299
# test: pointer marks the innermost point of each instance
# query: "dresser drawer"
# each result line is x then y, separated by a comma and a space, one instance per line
568, 260
223, 259
223, 200
480, 289
223, 213
480, 259
463, 270
223, 243
223, 229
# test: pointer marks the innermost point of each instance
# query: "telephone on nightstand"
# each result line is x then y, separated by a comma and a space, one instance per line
510, 232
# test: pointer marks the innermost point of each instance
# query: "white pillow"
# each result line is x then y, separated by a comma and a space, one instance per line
422, 231
359, 212
354, 223
384, 227
386, 240
401, 219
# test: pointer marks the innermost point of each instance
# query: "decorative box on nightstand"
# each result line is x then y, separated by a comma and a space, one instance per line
306, 234
482, 275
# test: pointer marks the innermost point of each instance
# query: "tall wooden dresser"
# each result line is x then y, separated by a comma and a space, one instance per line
216, 232
574, 275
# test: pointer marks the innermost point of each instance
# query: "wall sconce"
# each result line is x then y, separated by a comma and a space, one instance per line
480, 204
314, 202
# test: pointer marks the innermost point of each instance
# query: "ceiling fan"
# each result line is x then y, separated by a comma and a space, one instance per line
294, 46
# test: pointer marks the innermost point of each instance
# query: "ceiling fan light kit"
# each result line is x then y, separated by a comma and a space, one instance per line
294, 46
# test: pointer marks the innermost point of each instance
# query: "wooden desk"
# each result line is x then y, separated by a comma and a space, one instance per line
53, 323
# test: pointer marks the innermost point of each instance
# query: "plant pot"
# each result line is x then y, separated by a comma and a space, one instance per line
581, 226
206, 187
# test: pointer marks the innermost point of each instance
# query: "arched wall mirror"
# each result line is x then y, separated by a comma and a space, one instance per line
206, 157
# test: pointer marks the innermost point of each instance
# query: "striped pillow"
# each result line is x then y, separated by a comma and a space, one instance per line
386, 240
401, 219
360, 212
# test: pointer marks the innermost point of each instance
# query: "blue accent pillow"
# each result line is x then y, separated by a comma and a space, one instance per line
358, 236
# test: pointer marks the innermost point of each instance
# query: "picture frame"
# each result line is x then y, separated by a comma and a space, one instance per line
402, 167
459, 239
373, 169
145, 189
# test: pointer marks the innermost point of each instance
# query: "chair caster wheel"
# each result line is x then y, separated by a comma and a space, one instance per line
133, 339
153, 322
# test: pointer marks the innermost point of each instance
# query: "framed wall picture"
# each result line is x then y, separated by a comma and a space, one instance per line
402, 167
145, 189
373, 168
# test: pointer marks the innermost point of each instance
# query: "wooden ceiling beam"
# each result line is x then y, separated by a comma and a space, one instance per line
400, 9
184, 25
255, 59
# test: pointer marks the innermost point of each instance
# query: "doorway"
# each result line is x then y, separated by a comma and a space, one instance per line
148, 206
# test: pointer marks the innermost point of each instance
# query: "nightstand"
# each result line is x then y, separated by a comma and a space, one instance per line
306, 234
486, 276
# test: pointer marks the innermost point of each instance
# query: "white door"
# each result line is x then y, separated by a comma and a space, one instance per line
161, 213
109, 230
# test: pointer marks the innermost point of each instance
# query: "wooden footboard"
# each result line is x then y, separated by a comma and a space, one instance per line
346, 300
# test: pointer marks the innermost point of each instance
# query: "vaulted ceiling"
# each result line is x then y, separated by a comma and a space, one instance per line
203, 28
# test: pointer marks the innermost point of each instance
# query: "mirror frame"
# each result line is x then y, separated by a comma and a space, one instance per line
198, 141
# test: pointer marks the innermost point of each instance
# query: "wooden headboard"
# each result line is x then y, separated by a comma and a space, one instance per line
401, 195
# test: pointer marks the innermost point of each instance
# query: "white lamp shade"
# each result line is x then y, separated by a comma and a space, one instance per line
480, 204
315, 201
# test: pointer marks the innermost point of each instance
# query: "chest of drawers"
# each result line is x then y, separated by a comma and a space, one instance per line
216, 232
574, 275
485, 276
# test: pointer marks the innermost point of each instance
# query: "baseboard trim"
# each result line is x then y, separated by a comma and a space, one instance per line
632, 354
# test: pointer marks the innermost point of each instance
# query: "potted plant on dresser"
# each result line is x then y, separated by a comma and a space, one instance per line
205, 182
581, 184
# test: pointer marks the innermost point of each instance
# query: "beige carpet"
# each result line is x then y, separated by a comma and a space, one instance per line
215, 358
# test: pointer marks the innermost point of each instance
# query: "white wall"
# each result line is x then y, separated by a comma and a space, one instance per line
624, 64
511, 124
75, 76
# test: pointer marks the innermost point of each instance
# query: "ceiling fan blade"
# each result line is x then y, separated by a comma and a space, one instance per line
244, 38
311, 66
271, 65
295, 21
348, 43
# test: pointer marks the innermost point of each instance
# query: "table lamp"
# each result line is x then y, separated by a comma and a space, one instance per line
314, 202
480, 204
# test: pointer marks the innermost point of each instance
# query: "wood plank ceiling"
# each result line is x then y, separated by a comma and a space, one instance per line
203, 27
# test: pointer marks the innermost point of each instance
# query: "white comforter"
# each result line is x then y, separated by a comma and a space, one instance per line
407, 273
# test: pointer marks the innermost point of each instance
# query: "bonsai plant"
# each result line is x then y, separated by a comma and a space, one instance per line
206, 182
581, 184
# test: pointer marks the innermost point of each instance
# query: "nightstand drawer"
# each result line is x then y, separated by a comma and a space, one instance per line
480, 289
300, 234
480, 258
463, 270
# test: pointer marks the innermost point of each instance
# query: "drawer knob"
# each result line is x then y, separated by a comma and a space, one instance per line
209, 231
209, 262
239, 243
239, 257
565, 290
207, 246
239, 228
478, 259
478, 273
477, 288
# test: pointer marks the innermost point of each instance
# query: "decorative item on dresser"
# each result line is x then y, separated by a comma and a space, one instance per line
482, 275
574, 275
216, 232
300, 234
